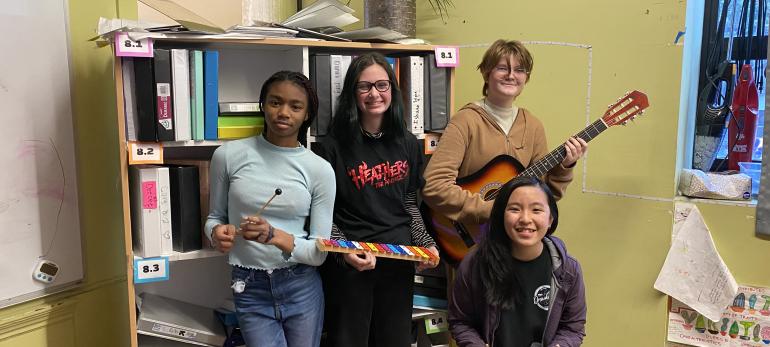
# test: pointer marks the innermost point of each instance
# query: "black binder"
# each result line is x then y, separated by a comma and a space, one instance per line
144, 85
320, 76
185, 208
164, 103
437, 89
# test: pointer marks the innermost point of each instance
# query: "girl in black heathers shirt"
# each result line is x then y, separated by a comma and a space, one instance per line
377, 167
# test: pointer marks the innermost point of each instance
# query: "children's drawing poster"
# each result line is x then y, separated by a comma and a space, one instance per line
745, 323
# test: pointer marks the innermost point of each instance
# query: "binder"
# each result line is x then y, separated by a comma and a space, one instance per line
196, 94
164, 204
203, 189
320, 77
180, 75
237, 121
145, 210
185, 208
239, 131
164, 102
431, 282
412, 87
238, 107
437, 106
339, 68
210, 94
144, 83
129, 99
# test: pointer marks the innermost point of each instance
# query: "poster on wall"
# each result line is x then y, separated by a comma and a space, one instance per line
745, 323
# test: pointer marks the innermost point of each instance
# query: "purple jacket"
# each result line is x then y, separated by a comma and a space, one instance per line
473, 321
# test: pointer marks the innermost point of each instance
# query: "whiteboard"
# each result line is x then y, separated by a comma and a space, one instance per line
38, 191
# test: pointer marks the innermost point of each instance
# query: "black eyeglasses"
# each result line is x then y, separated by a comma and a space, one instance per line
364, 86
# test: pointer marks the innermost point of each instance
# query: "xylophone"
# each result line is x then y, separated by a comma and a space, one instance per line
413, 253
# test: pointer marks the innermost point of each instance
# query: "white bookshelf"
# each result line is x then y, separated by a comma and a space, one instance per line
202, 277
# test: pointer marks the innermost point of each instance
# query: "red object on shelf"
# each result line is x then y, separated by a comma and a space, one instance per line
743, 124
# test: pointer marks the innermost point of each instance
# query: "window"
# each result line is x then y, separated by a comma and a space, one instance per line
734, 31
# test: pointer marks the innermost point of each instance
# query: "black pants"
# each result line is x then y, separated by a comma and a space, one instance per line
368, 308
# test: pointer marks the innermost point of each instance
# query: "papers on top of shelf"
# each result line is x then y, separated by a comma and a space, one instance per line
411, 41
199, 36
322, 13
105, 26
175, 32
183, 16
379, 34
373, 33
693, 272
262, 31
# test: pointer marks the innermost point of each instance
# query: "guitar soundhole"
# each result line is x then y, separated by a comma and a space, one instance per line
490, 195
489, 191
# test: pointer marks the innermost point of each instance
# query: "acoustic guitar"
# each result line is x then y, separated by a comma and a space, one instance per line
455, 238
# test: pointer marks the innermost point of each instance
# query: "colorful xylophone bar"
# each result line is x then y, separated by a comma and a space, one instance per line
413, 253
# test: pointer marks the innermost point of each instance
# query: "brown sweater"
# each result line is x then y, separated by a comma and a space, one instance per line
471, 139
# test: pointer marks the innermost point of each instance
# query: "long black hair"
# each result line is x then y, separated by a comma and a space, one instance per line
495, 263
304, 83
346, 125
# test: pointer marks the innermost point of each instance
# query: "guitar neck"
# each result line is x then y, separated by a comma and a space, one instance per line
556, 156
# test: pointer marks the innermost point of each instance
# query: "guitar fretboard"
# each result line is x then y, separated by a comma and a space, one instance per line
556, 156
548, 162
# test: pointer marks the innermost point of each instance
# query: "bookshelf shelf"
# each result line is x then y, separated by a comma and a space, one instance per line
199, 254
243, 66
191, 143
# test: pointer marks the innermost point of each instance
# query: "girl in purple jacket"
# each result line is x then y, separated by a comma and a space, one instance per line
519, 288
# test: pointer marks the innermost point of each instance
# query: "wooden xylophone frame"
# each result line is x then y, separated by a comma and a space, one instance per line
412, 253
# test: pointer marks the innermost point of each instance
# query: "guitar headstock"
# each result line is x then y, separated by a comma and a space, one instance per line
626, 108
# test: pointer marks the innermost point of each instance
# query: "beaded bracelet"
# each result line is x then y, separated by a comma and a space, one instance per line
270, 234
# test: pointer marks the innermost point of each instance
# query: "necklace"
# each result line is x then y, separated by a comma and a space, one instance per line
371, 135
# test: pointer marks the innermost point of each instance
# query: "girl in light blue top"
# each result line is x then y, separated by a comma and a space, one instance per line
277, 290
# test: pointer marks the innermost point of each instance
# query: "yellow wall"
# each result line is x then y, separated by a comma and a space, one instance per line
618, 220
95, 314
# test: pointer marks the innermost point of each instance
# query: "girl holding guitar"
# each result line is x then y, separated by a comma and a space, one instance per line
485, 129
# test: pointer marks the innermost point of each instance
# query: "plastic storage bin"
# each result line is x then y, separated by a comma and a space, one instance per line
753, 170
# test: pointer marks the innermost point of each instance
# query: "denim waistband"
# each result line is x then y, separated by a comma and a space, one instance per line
273, 272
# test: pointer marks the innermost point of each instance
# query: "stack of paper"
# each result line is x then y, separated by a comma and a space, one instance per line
322, 13
183, 16
371, 34
261, 31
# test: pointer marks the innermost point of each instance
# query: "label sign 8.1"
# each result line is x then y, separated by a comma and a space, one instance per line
447, 56
125, 46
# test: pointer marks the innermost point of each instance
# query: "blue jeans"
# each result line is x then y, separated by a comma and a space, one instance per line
281, 308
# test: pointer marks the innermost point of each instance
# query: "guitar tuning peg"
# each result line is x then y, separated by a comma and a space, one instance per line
624, 123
